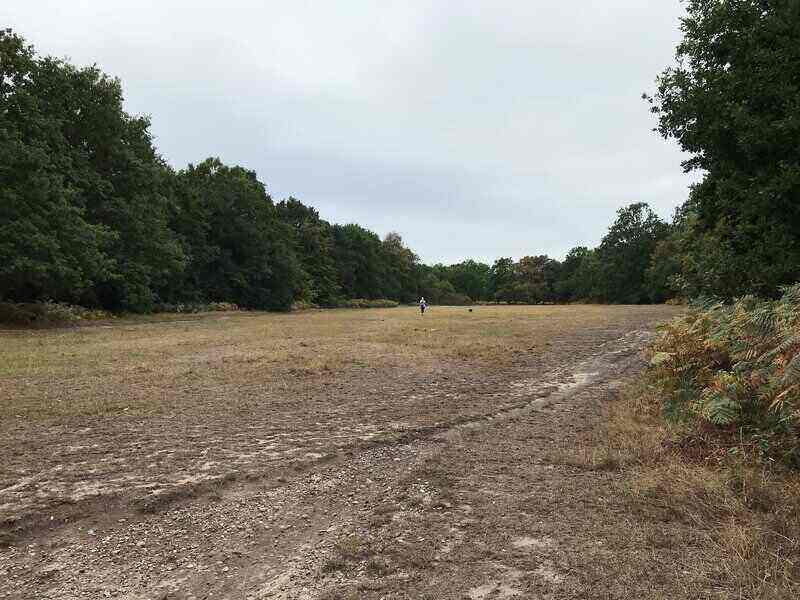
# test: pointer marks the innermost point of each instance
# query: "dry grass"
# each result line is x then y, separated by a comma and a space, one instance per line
353, 547
747, 515
144, 410
157, 364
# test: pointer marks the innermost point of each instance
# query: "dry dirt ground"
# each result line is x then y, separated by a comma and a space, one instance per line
331, 454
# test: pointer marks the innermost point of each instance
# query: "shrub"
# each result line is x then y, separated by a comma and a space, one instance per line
455, 299
303, 305
44, 314
364, 303
222, 306
676, 302
194, 307
16, 314
736, 368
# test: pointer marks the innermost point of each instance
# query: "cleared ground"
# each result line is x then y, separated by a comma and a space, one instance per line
352, 454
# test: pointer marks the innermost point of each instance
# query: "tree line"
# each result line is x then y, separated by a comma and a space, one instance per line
91, 214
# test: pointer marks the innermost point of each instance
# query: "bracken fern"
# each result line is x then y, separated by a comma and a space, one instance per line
735, 365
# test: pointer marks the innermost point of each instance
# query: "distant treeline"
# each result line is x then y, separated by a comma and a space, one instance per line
90, 214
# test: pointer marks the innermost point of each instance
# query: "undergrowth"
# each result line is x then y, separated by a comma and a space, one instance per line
44, 314
195, 307
344, 303
707, 439
744, 512
733, 370
49, 314
364, 303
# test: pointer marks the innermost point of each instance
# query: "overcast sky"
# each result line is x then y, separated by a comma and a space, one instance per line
474, 129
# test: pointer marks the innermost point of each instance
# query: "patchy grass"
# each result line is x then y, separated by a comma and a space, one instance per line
150, 407
746, 512
334, 565
149, 365
377, 566
353, 547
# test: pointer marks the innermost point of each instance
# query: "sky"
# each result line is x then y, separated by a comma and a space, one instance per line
474, 129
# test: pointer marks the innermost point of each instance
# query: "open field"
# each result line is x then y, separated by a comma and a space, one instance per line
353, 454
142, 408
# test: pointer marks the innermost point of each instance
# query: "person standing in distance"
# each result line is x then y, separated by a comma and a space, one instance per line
422, 305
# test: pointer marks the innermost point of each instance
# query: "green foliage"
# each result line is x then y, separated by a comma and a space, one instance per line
472, 280
531, 280
45, 314
501, 279
625, 254
635, 263
434, 284
735, 366
48, 246
365, 303
399, 270
119, 181
632, 265
732, 102
313, 245
357, 254
196, 307
239, 249
455, 299
576, 281
90, 214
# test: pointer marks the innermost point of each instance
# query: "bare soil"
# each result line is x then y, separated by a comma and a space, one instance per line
383, 462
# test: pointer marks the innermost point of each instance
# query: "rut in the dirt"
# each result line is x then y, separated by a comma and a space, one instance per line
378, 520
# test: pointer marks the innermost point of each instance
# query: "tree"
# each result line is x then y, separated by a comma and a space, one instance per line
470, 278
358, 256
84, 213
431, 284
48, 249
571, 283
732, 103
120, 181
241, 251
624, 254
399, 269
534, 278
661, 277
313, 242
501, 280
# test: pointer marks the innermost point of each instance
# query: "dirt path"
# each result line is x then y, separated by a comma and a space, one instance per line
460, 496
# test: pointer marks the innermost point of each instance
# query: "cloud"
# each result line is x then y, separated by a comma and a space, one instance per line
476, 129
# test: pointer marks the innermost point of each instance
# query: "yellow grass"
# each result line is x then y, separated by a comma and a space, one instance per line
745, 515
154, 364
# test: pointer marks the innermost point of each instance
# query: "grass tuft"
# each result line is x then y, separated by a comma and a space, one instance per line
746, 511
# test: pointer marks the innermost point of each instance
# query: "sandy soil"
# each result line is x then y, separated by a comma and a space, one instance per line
395, 480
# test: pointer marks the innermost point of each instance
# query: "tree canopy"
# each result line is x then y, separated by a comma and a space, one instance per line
732, 102
90, 213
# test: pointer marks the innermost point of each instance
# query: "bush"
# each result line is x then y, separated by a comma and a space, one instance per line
303, 305
194, 307
45, 314
222, 307
676, 302
364, 303
455, 299
736, 369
